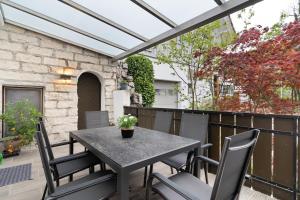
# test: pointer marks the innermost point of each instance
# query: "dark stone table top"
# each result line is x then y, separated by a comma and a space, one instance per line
145, 144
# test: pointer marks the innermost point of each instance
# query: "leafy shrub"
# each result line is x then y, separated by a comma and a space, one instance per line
141, 70
21, 119
127, 121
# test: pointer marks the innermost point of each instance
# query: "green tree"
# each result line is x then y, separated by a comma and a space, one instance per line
141, 70
183, 54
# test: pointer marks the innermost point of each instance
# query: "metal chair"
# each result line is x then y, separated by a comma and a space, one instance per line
96, 119
99, 185
194, 126
162, 122
236, 155
67, 165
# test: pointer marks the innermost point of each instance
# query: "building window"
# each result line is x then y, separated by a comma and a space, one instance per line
12, 94
227, 90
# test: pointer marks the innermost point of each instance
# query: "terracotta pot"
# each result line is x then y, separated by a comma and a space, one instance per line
127, 133
13, 145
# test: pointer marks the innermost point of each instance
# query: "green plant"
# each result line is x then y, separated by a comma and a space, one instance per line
127, 122
21, 119
141, 70
1, 158
186, 56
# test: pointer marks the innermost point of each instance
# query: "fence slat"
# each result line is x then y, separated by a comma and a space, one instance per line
226, 131
262, 156
245, 121
283, 157
214, 138
177, 120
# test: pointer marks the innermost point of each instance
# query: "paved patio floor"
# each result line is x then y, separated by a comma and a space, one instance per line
32, 189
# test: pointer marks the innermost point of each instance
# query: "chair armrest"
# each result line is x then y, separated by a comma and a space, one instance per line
205, 146
68, 158
63, 143
173, 186
83, 186
207, 160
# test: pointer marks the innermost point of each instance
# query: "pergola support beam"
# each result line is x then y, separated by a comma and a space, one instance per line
102, 19
155, 13
62, 24
219, 2
216, 13
54, 36
1, 16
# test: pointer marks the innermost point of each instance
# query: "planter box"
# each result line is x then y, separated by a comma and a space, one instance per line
10, 146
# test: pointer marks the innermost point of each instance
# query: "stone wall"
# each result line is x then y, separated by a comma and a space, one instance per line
32, 59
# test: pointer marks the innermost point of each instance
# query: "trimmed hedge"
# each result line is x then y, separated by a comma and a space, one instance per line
141, 70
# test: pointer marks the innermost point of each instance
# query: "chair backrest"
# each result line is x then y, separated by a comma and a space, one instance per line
45, 159
47, 145
163, 121
194, 126
96, 119
46, 139
236, 154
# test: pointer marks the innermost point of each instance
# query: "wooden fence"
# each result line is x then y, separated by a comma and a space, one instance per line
274, 166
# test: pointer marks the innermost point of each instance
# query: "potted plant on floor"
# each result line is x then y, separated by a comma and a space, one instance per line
126, 124
20, 120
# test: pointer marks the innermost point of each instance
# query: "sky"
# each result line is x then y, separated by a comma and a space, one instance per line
267, 13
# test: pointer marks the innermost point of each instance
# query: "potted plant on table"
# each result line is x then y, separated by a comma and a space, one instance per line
126, 124
20, 120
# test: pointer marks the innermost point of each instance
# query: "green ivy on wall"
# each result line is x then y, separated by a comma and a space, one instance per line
141, 70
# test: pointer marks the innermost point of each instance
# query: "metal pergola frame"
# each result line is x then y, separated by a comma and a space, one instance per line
155, 13
214, 14
224, 9
103, 19
1, 16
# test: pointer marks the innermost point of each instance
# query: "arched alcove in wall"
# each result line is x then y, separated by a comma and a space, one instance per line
89, 90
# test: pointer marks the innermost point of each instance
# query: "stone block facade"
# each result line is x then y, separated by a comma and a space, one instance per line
30, 59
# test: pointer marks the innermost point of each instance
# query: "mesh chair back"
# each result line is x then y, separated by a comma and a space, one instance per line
96, 119
45, 159
163, 121
236, 154
46, 139
194, 126
48, 148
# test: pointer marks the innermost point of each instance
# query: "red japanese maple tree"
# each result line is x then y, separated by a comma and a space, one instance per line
259, 67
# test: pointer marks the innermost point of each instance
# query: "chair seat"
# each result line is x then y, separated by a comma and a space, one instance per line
70, 167
102, 190
178, 161
187, 182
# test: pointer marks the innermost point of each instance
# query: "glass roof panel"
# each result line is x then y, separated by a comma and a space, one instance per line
42, 25
128, 14
71, 16
181, 11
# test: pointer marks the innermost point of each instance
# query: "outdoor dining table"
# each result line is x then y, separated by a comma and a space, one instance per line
124, 156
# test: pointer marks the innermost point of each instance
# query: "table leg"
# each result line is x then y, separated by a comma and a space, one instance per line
196, 165
123, 186
71, 146
71, 151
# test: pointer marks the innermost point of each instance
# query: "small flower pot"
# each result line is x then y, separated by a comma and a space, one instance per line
127, 133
